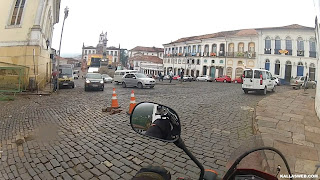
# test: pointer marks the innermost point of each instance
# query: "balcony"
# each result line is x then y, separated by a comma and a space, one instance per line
222, 54
300, 53
289, 52
230, 54
239, 54
312, 54
267, 51
276, 51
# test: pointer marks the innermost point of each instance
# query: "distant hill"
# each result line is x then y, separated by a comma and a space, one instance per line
71, 55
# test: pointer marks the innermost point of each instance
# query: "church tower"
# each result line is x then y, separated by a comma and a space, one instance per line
101, 38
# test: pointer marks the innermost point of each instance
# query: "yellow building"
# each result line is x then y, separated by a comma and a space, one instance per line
26, 29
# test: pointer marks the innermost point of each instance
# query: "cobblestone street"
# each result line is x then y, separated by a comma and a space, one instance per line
67, 136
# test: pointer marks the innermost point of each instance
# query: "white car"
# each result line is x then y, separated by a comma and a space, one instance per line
204, 78
257, 80
76, 74
276, 81
107, 78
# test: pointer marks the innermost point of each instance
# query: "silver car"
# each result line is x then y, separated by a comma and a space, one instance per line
107, 78
137, 79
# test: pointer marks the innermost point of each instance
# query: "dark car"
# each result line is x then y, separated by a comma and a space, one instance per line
94, 81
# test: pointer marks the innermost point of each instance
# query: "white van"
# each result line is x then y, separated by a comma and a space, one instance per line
120, 73
257, 80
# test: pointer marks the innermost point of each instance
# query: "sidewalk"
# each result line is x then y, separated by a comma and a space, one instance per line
47, 90
288, 122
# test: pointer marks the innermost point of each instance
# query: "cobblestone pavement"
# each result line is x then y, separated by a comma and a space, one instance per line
67, 136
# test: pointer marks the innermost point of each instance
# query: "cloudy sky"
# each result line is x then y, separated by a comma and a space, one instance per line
150, 23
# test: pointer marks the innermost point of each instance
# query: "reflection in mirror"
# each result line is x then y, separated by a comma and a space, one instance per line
156, 121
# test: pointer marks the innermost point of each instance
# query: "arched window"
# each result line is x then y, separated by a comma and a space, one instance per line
239, 72
241, 47
229, 71
277, 44
288, 63
289, 46
312, 45
198, 61
192, 62
312, 65
300, 47
277, 67
300, 69
204, 72
267, 64
194, 49
251, 47
189, 49
214, 48
267, 45
240, 63
199, 49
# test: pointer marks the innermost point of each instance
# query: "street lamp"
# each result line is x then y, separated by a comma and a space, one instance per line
66, 13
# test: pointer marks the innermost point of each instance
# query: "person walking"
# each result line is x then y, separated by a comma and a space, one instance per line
55, 80
305, 82
171, 75
181, 75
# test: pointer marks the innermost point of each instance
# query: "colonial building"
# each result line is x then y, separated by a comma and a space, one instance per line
26, 29
112, 53
147, 60
286, 51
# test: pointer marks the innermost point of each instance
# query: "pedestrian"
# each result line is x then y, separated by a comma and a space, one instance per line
162, 76
305, 82
171, 75
181, 75
55, 80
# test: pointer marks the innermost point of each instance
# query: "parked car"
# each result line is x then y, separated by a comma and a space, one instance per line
204, 78
276, 81
94, 81
166, 77
118, 75
176, 77
223, 79
298, 81
257, 80
107, 78
187, 78
137, 79
237, 80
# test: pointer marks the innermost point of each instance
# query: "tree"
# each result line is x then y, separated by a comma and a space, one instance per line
124, 57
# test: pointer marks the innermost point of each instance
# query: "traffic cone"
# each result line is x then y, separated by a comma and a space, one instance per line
114, 102
132, 103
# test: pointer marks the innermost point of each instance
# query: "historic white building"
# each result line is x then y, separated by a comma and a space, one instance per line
146, 60
286, 51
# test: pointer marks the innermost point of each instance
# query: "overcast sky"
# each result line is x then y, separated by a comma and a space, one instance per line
150, 23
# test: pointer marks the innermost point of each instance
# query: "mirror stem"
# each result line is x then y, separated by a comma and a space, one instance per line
179, 143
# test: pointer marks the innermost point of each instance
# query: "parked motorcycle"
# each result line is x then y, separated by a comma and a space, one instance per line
162, 123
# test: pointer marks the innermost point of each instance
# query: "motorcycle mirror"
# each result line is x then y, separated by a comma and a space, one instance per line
156, 121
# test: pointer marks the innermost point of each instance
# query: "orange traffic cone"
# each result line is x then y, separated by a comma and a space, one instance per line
132, 103
114, 102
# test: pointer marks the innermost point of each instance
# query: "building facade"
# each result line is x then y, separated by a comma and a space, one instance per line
112, 53
147, 60
26, 29
286, 51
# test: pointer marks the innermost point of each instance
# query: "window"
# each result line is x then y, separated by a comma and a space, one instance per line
267, 45
277, 68
312, 45
107, 52
199, 49
277, 45
198, 61
289, 46
180, 49
179, 61
17, 12
248, 74
194, 48
205, 61
212, 61
116, 53
240, 63
189, 49
300, 44
115, 59
192, 61
214, 48
85, 52
221, 61
241, 47
89, 51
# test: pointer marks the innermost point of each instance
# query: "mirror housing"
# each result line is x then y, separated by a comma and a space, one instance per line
156, 121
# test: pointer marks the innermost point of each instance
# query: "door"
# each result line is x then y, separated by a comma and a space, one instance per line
248, 79
288, 73
212, 71
312, 72
269, 81
257, 77
300, 70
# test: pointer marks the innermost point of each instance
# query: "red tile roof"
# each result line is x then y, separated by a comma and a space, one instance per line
242, 32
153, 59
147, 49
